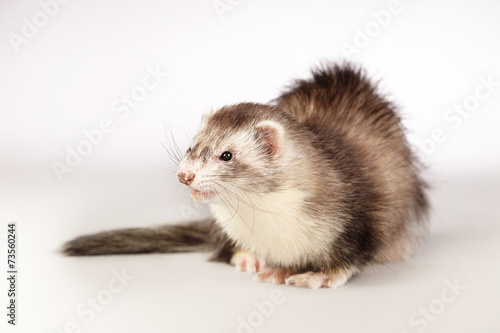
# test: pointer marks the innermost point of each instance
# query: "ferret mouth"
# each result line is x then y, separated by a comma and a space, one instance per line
202, 195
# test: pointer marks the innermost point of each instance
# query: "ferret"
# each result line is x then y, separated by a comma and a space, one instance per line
305, 190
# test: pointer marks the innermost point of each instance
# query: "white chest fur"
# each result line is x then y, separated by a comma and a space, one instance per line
273, 227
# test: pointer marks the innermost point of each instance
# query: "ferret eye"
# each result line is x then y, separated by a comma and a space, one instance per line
226, 156
189, 150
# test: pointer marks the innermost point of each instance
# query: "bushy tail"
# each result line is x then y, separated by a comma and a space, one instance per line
189, 237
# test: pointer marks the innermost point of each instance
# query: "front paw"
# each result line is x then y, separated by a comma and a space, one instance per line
247, 262
275, 275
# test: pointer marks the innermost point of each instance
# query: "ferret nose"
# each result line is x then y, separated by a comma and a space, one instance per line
186, 178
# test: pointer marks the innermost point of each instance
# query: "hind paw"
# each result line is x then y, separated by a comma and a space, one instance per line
315, 280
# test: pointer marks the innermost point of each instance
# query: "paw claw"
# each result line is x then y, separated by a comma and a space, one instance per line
246, 262
270, 274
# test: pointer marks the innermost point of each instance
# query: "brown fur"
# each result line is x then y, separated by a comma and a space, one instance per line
342, 101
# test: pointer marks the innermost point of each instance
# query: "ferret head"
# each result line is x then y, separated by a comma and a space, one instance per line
237, 150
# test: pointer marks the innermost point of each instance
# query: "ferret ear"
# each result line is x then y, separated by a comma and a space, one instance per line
207, 114
270, 134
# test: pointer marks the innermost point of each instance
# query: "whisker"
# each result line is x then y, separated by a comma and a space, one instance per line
241, 200
179, 153
253, 207
172, 143
186, 135
171, 156
226, 202
237, 198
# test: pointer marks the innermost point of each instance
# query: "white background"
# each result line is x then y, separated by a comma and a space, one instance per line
67, 74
